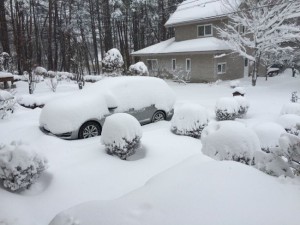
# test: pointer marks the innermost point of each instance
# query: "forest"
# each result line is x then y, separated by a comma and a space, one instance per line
61, 34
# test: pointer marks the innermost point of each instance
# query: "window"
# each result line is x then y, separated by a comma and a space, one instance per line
241, 29
152, 64
173, 64
204, 30
188, 65
221, 68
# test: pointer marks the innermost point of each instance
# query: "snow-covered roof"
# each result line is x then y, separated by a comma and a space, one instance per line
195, 45
194, 10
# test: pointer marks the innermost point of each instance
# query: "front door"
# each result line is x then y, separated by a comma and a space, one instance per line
246, 67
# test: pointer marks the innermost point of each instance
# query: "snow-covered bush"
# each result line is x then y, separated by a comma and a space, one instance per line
113, 61
238, 91
294, 97
92, 78
121, 135
189, 120
40, 71
291, 108
229, 140
243, 105
7, 104
5, 62
227, 109
271, 164
289, 148
20, 166
139, 69
234, 83
269, 134
291, 123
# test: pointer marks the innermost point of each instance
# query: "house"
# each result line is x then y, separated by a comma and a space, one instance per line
196, 48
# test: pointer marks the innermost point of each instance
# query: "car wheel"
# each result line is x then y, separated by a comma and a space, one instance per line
89, 129
158, 116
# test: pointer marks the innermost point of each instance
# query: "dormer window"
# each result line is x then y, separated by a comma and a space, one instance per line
205, 30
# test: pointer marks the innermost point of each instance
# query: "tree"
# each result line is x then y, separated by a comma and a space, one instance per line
260, 28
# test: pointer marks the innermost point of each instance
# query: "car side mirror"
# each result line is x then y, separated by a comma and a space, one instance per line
111, 102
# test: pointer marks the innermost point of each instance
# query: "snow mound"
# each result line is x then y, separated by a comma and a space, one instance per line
243, 105
196, 193
234, 83
5, 95
139, 68
121, 134
240, 90
40, 71
290, 122
189, 120
5, 74
269, 134
229, 140
291, 108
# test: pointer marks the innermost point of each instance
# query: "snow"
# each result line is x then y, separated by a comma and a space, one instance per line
229, 140
5, 95
240, 90
291, 108
289, 121
69, 112
139, 68
228, 104
40, 71
269, 134
5, 74
119, 128
189, 118
113, 58
199, 191
194, 45
191, 11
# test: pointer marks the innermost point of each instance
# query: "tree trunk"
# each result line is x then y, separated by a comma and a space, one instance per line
3, 28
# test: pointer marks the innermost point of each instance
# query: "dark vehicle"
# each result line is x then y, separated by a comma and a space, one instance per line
274, 70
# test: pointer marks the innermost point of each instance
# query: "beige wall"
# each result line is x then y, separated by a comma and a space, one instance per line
187, 32
204, 66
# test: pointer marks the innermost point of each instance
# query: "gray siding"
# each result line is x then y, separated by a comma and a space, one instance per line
187, 32
203, 66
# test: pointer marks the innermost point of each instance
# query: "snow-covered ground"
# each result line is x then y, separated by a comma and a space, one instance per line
183, 186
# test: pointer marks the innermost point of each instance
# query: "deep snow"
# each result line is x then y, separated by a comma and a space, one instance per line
80, 171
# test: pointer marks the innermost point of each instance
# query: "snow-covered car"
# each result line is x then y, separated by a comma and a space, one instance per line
82, 114
274, 69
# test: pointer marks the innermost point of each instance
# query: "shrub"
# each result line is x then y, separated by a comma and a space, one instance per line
113, 61
40, 71
139, 69
7, 104
269, 134
243, 105
271, 164
20, 166
189, 120
229, 140
121, 135
291, 123
226, 109
289, 147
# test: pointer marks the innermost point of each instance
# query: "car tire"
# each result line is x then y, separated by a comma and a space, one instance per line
158, 116
89, 129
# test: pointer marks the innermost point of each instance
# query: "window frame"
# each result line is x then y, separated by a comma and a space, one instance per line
186, 60
205, 35
222, 64
173, 65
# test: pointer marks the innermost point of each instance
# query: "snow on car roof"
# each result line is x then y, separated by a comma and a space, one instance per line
194, 45
195, 10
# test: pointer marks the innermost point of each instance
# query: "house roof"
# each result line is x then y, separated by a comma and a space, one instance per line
190, 11
171, 46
